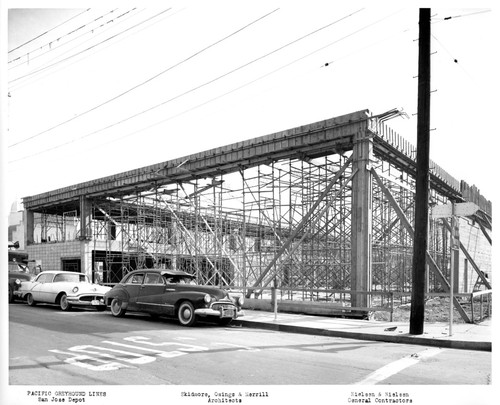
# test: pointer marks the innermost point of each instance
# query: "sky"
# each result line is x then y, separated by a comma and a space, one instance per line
90, 89
97, 91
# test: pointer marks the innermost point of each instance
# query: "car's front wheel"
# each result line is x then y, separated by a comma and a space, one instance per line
117, 307
63, 303
30, 300
186, 314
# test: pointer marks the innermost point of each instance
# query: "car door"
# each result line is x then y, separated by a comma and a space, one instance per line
133, 286
41, 284
153, 295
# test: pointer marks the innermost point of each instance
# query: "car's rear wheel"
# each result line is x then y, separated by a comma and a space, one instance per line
117, 307
30, 300
11, 294
186, 314
63, 303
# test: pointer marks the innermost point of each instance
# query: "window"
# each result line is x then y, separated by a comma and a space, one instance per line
135, 279
70, 277
45, 278
153, 278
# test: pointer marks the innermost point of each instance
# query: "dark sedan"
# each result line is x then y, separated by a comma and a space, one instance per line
17, 274
175, 294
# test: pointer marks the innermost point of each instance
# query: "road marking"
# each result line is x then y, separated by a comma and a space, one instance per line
397, 366
241, 348
96, 358
184, 346
91, 363
119, 355
161, 353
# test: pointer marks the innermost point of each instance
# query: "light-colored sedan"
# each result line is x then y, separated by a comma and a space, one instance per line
63, 288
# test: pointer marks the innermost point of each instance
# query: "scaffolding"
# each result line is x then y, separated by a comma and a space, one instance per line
229, 230
273, 211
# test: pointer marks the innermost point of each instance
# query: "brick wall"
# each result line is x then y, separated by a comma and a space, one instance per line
50, 255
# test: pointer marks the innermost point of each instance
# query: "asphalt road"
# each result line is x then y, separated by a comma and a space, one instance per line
80, 347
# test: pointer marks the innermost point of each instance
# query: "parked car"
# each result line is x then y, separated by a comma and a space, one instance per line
17, 274
63, 288
175, 294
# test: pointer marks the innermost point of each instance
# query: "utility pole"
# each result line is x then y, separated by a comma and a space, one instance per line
422, 177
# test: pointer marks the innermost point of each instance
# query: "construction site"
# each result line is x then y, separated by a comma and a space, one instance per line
322, 213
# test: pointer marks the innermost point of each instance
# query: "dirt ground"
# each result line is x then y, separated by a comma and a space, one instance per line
436, 310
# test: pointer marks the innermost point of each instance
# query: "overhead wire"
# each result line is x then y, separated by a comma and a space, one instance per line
354, 33
97, 49
454, 59
58, 40
147, 80
191, 90
254, 80
461, 15
46, 32
90, 47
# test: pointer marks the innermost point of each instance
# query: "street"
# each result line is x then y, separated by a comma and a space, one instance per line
83, 347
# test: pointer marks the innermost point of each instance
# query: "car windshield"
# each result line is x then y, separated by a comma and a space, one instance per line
70, 277
13, 266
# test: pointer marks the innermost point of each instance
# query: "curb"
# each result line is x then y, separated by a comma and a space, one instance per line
405, 339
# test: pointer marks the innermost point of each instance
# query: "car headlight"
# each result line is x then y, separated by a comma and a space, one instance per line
75, 289
18, 282
207, 298
241, 300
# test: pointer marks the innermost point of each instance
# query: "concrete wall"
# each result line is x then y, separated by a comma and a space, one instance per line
301, 307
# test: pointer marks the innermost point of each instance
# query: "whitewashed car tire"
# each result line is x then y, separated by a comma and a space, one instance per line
186, 314
63, 303
117, 308
30, 300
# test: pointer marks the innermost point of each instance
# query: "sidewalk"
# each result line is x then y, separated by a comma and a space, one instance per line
464, 335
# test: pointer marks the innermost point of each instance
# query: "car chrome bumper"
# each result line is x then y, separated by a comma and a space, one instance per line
77, 301
214, 312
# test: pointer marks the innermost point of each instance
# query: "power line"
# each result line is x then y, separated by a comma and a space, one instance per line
248, 83
46, 32
91, 47
355, 32
49, 44
224, 75
466, 15
148, 80
455, 60
30, 81
188, 91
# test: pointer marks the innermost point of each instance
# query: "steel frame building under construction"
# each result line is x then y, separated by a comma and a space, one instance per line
318, 208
